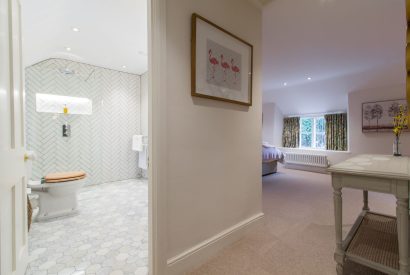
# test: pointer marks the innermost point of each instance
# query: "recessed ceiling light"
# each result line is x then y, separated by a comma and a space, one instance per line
124, 67
285, 84
74, 29
309, 78
68, 49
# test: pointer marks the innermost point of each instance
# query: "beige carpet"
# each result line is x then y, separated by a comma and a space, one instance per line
297, 234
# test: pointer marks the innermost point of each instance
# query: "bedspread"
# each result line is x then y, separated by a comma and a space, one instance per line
271, 153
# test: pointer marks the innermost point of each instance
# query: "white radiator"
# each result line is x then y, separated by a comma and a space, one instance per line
307, 159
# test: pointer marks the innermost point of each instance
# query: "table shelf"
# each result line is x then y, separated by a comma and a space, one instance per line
374, 243
377, 241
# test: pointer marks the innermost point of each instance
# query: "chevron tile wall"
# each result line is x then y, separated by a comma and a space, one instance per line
100, 143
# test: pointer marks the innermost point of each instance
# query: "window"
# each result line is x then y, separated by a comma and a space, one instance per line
313, 132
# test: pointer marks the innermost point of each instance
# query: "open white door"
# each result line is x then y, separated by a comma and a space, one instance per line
13, 198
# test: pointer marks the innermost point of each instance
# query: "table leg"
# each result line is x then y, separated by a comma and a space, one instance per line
339, 253
402, 206
366, 200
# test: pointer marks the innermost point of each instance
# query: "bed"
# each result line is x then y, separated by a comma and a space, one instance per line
270, 158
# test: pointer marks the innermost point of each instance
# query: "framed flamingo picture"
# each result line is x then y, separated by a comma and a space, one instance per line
221, 64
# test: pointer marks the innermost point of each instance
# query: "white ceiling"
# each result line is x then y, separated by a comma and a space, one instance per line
113, 33
343, 45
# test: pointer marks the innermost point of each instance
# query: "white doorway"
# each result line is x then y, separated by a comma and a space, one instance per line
13, 253
13, 204
94, 51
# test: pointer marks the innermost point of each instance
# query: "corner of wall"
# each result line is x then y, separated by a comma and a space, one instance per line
144, 103
272, 124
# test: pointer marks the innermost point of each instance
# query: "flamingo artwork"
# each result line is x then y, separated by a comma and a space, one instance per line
214, 62
235, 68
225, 66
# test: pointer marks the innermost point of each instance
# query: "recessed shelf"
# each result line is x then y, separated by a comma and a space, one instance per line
49, 103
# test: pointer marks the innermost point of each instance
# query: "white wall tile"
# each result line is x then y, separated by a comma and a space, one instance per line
100, 143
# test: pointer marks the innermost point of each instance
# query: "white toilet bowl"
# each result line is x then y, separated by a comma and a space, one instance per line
56, 199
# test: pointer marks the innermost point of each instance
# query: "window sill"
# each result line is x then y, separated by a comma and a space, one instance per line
314, 150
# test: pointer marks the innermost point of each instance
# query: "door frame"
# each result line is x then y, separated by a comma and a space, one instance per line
13, 196
157, 132
157, 123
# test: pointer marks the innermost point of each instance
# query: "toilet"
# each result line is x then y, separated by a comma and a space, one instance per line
56, 199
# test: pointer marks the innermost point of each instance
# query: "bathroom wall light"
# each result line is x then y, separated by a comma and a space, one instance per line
48, 103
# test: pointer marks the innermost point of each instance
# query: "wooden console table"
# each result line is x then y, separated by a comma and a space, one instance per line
375, 240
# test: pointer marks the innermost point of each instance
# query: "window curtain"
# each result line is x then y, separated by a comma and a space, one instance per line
336, 132
291, 128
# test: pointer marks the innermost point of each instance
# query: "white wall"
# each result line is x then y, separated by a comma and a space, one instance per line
214, 163
100, 143
144, 104
359, 142
381, 143
272, 124
272, 133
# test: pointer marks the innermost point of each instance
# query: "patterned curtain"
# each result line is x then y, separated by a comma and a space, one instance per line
336, 132
290, 136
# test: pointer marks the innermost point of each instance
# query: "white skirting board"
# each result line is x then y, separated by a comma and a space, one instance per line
322, 170
200, 253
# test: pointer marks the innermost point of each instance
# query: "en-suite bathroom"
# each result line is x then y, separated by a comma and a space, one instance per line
86, 129
103, 112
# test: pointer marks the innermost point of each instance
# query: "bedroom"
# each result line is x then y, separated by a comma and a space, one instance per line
336, 69
314, 93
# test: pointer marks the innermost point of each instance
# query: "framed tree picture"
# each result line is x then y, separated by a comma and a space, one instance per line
221, 64
378, 116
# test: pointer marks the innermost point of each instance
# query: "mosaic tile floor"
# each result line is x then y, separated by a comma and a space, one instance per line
109, 236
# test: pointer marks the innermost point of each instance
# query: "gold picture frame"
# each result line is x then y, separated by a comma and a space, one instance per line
408, 53
221, 63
